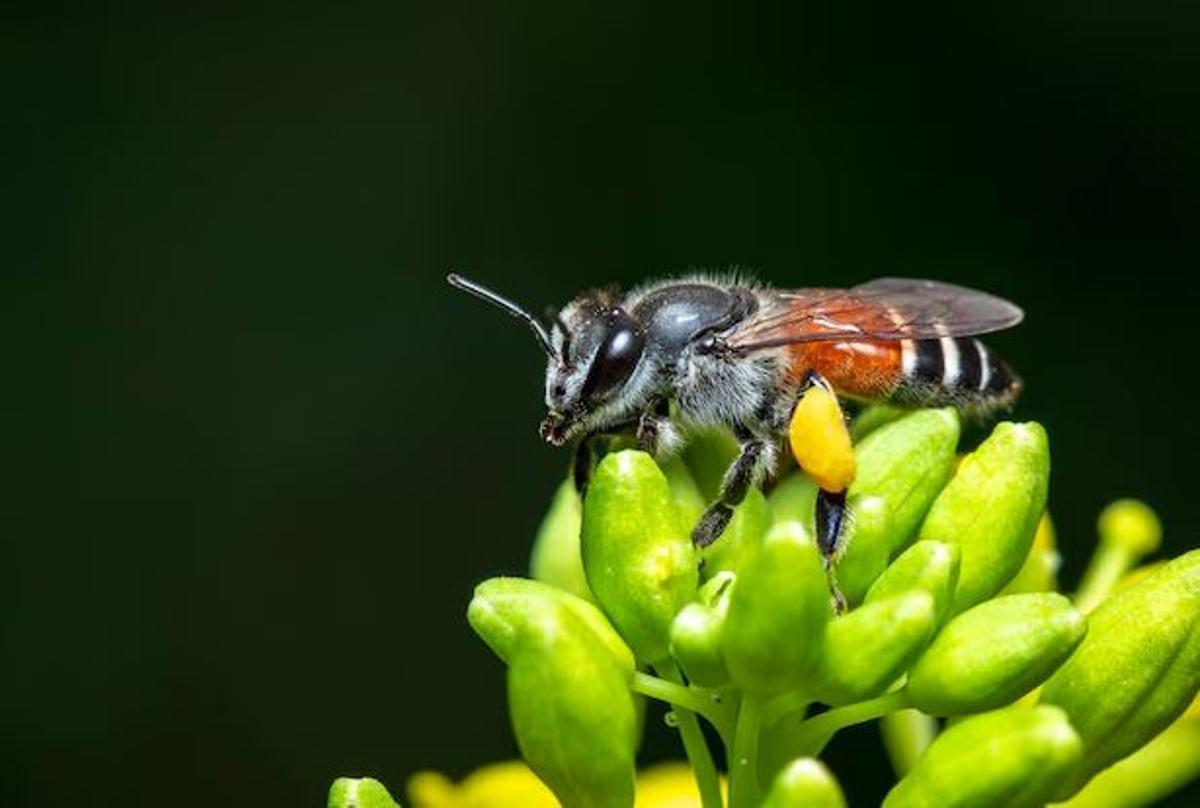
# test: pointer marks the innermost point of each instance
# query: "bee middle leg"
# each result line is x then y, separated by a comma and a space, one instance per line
733, 490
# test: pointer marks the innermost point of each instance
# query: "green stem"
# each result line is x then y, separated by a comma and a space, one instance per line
672, 693
743, 761
1108, 564
807, 738
694, 745
906, 736
783, 705
815, 732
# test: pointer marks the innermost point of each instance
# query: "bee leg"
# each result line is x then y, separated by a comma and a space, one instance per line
831, 517
733, 490
653, 426
822, 447
581, 465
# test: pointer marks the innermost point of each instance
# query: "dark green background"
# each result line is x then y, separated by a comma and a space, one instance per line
260, 453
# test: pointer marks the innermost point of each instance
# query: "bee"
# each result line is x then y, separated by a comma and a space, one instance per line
699, 352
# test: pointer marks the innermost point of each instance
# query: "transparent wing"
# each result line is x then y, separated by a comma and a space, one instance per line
884, 309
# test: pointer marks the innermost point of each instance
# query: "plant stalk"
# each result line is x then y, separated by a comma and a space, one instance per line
698, 753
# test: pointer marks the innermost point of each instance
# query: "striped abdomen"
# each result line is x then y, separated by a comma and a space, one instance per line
961, 371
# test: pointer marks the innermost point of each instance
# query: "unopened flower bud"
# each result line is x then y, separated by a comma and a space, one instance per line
994, 653
556, 559
359, 792
777, 613
991, 507
865, 651
637, 553
927, 566
575, 720
508, 613
1039, 573
1137, 669
1131, 525
742, 537
804, 783
901, 468
696, 645
1010, 757
1151, 773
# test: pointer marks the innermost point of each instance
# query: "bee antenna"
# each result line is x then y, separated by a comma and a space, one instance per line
484, 293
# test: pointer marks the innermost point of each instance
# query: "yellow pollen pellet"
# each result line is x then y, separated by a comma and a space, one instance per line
820, 441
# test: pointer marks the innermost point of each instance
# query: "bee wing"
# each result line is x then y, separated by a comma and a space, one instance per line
884, 309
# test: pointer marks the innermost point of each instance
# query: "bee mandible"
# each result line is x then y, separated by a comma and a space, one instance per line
738, 355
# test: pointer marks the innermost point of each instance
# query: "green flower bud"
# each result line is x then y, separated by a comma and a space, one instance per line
508, 613
865, 651
1011, 757
696, 645
794, 499
574, 718
708, 454
555, 557
1138, 668
995, 653
1039, 573
777, 613
873, 417
1130, 524
742, 537
1148, 775
991, 509
359, 792
714, 593
696, 633
927, 566
901, 468
684, 491
637, 554
804, 783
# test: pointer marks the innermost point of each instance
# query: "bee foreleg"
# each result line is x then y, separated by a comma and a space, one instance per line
749, 463
581, 464
655, 432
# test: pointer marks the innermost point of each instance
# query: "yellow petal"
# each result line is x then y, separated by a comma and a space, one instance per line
668, 785
509, 784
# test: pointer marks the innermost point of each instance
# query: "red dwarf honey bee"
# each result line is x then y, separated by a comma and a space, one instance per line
738, 355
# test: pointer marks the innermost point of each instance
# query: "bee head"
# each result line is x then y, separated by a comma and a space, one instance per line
592, 346
597, 345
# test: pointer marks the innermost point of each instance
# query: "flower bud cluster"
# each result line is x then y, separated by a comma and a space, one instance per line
948, 569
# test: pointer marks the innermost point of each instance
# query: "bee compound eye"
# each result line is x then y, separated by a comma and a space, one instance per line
616, 358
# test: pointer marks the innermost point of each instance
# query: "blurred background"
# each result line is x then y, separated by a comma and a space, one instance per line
260, 452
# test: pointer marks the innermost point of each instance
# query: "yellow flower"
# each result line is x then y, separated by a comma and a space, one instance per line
511, 784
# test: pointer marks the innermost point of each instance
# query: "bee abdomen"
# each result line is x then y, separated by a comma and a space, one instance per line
960, 371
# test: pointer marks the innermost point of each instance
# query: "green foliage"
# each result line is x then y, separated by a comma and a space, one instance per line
951, 614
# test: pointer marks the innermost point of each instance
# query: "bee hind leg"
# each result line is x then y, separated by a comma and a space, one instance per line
832, 515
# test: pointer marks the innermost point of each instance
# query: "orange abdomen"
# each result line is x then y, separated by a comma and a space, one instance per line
870, 370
